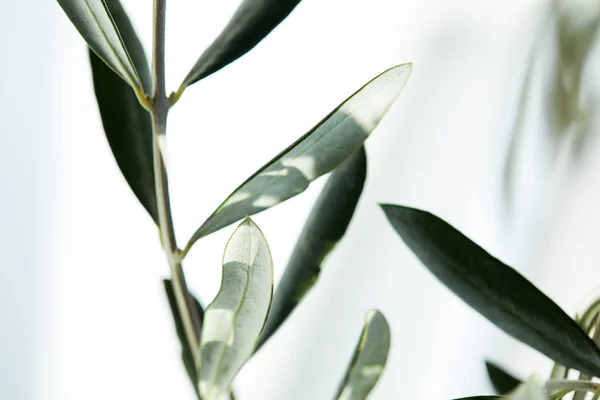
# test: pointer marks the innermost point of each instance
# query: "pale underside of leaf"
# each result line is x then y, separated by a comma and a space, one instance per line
369, 359
252, 22
316, 153
94, 22
234, 320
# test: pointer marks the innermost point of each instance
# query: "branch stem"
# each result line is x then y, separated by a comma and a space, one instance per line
160, 111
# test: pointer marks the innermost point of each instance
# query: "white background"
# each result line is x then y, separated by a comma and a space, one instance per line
82, 308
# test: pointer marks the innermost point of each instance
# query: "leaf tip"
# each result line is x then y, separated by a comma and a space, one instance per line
402, 214
247, 221
403, 69
372, 313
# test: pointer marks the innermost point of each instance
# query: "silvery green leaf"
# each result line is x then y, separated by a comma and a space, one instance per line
233, 321
316, 153
369, 359
250, 24
325, 227
94, 22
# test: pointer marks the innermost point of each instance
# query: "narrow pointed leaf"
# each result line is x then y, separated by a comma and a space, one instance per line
533, 389
481, 398
324, 228
251, 23
234, 320
126, 123
186, 354
502, 381
494, 289
131, 42
369, 359
94, 22
316, 153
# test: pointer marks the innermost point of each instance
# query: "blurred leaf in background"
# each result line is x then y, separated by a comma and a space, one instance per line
571, 27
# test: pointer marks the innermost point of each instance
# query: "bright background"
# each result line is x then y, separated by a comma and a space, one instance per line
82, 307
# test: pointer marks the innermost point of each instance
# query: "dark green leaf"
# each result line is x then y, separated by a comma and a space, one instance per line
251, 23
94, 22
132, 42
533, 389
324, 228
494, 289
316, 153
126, 123
481, 398
186, 354
502, 381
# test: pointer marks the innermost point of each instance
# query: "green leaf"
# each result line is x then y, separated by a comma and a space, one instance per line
93, 20
131, 42
126, 123
324, 228
316, 153
502, 381
251, 23
533, 389
494, 289
482, 398
234, 320
369, 359
186, 354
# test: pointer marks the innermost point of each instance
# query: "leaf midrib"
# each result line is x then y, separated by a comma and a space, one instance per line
132, 81
236, 314
517, 316
314, 143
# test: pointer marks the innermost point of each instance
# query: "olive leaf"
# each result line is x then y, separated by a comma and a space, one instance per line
481, 398
316, 153
93, 20
186, 353
533, 389
502, 381
126, 123
234, 320
324, 228
494, 289
251, 23
369, 358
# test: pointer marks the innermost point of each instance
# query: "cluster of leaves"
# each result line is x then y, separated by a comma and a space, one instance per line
245, 313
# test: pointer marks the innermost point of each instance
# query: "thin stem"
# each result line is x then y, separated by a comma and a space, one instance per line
158, 51
160, 111
579, 385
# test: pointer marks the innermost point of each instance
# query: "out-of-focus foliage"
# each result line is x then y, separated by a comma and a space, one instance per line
559, 60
